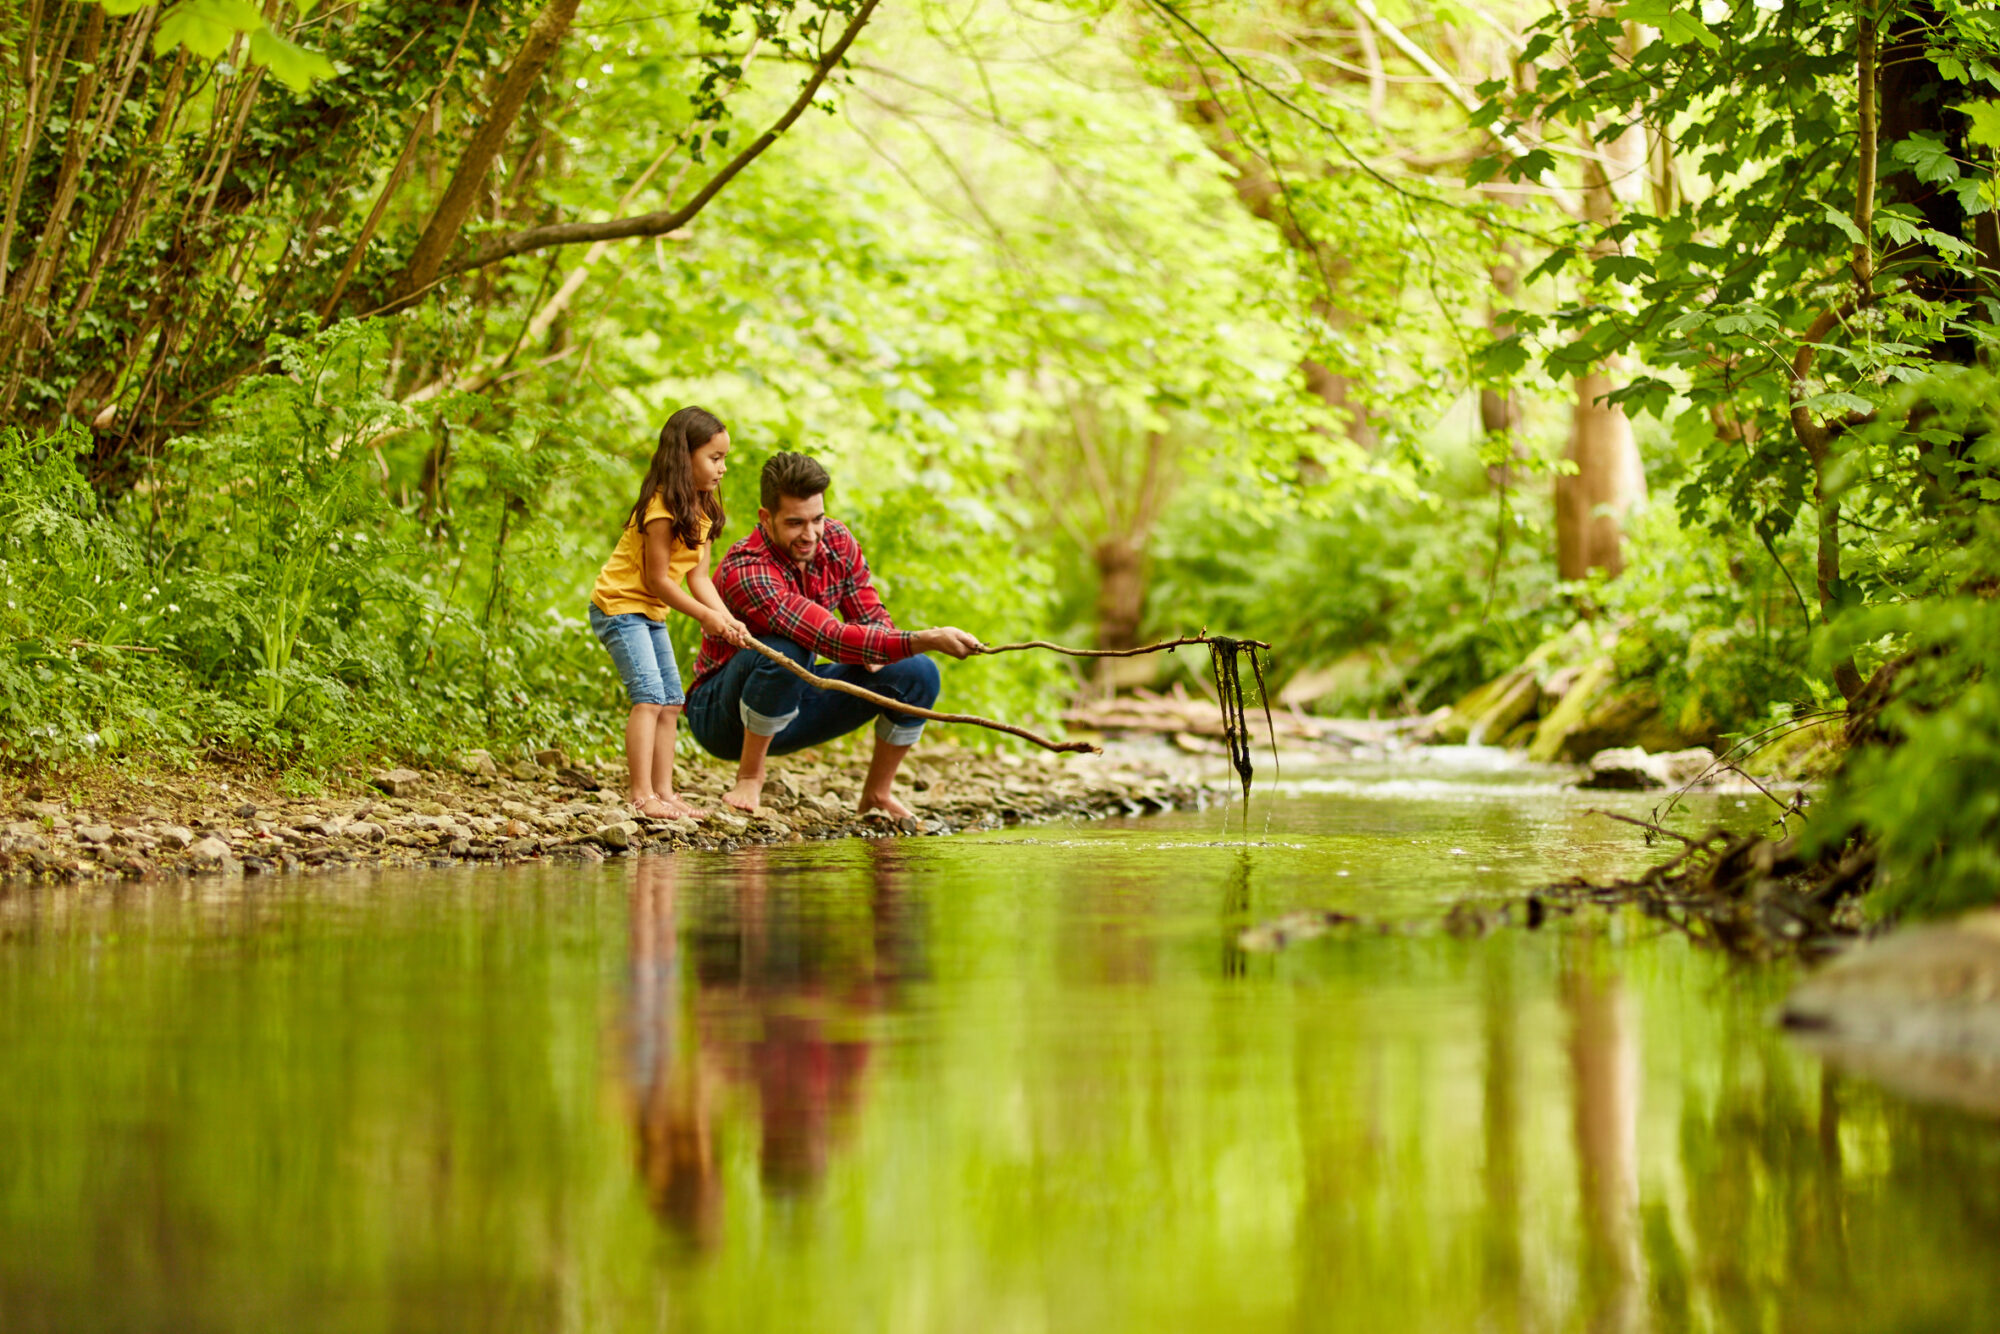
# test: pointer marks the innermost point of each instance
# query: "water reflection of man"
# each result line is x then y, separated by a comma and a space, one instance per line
794, 978
787, 982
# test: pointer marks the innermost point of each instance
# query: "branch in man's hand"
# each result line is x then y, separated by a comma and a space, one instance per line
667, 220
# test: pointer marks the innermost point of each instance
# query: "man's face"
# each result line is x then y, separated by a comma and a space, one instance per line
795, 526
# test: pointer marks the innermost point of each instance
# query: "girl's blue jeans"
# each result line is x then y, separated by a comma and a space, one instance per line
643, 654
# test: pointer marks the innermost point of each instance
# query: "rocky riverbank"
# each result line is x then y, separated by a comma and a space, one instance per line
110, 825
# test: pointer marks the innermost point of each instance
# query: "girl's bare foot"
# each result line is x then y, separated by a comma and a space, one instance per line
682, 810
656, 807
887, 804
745, 795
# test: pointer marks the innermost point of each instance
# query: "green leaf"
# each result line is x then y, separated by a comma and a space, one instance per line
205, 27
1845, 223
1622, 269
1838, 402
1985, 117
1927, 156
1503, 358
1680, 29
294, 66
1653, 13
121, 7
1557, 258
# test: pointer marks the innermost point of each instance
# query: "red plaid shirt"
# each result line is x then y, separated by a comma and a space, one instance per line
771, 594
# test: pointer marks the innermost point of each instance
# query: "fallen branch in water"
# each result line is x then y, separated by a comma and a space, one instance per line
827, 683
1646, 825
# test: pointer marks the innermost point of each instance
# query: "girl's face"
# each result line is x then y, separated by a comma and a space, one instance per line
708, 462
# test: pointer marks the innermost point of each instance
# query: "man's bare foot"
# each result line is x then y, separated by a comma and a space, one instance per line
888, 805
745, 795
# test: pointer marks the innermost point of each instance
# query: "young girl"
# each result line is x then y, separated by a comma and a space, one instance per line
661, 561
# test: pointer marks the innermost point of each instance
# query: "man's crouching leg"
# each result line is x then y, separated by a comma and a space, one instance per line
912, 681
769, 704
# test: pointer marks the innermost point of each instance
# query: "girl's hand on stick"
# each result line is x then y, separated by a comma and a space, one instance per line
725, 627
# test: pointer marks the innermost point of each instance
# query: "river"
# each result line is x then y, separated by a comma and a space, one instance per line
1023, 1080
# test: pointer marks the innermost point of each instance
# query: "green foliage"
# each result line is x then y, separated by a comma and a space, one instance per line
1923, 792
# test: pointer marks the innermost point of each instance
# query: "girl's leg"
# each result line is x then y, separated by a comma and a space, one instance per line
642, 727
629, 639
663, 762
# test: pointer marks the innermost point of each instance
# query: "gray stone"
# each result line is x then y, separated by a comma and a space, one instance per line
48, 810
617, 835
397, 782
521, 847
210, 851
367, 831
1686, 766
178, 835
1625, 769
1918, 1010
551, 758
479, 762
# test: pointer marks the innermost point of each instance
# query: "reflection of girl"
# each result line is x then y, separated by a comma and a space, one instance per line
676, 1151
661, 561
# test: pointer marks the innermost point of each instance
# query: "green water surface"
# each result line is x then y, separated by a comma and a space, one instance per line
1016, 1081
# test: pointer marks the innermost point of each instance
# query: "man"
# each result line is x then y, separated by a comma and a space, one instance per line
786, 581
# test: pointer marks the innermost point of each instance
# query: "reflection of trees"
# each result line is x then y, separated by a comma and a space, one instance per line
786, 974
1604, 1073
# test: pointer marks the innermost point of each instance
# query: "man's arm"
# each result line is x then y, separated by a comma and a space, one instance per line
757, 595
859, 602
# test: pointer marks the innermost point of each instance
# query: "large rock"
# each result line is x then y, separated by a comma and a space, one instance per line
1626, 769
1696, 764
478, 763
397, 782
1918, 1011
210, 853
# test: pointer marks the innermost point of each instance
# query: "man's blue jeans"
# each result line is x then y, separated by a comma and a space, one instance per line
755, 694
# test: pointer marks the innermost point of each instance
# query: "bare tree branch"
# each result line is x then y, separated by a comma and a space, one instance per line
667, 220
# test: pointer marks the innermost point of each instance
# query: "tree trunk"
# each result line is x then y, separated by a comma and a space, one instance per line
544, 36
1121, 591
1591, 504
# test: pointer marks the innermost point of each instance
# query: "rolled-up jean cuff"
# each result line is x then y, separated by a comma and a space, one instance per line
898, 734
763, 724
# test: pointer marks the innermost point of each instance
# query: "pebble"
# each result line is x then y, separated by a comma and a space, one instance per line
545, 811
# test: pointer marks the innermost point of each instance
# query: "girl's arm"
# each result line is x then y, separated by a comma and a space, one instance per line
713, 618
703, 587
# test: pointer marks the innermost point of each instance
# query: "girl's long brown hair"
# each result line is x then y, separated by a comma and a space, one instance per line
671, 478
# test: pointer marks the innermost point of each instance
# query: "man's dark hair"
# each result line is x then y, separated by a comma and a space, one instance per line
796, 475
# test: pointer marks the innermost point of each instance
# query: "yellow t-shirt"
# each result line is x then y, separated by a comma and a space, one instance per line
621, 584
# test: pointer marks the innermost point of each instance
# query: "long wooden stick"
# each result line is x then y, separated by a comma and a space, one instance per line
1116, 652
827, 683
